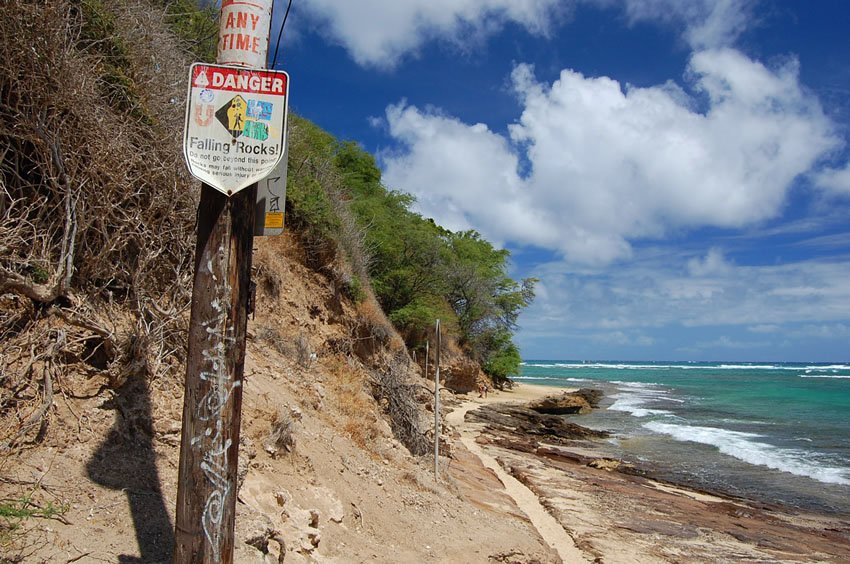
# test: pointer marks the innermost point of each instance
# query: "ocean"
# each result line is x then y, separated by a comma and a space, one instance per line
776, 433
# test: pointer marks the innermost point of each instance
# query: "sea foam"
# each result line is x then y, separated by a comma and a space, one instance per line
634, 395
745, 447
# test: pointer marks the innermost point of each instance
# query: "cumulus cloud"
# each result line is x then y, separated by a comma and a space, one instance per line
464, 175
380, 33
705, 23
610, 163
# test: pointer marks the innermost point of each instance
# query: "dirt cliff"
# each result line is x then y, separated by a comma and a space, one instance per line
323, 477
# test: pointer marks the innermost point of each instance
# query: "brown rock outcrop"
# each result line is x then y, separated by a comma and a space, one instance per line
582, 401
525, 421
462, 375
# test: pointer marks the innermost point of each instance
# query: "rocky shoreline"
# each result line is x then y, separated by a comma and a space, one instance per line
617, 512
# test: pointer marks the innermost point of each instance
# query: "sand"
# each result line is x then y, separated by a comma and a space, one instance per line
546, 525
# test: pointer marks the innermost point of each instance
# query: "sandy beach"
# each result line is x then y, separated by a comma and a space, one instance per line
520, 393
588, 508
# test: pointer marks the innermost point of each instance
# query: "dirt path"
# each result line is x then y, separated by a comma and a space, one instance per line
551, 531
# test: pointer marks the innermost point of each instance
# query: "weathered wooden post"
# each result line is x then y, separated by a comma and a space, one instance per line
206, 496
437, 406
235, 136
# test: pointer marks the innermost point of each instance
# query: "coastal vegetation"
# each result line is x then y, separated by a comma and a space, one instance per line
418, 270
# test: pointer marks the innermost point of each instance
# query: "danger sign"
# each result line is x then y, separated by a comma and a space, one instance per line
235, 124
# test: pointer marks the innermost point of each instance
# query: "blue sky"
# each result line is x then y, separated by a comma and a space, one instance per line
674, 172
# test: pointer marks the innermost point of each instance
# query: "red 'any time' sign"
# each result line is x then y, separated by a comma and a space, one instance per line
244, 32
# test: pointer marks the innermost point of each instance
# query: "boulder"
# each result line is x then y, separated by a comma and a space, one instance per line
591, 395
565, 404
461, 376
608, 464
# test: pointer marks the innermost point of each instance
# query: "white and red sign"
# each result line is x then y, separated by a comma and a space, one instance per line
244, 32
235, 130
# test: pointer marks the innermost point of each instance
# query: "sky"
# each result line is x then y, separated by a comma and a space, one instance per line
675, 173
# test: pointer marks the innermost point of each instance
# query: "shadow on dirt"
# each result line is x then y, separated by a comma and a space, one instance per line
126, 461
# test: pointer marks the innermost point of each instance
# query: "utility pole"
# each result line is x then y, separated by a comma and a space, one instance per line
437, 406
212, 406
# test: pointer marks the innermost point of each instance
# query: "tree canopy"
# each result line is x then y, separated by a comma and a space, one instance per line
418, 270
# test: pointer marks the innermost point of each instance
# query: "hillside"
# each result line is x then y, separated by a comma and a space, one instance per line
96, 242
323, 473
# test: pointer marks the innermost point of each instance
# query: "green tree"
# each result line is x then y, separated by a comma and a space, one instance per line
481, 293
502, 358
418, 270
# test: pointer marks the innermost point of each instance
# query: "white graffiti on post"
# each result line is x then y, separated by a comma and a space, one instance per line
211, 444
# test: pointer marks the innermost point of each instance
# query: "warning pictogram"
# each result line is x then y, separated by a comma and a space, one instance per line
232, 116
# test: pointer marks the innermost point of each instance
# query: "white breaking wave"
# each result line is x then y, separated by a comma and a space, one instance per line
634, 395
830, 376
743, 447
550, 379
695, 366
522, 378
634, 404
639, 385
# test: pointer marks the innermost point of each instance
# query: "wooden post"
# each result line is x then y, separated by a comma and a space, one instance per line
212, 405
437, 407
427, 352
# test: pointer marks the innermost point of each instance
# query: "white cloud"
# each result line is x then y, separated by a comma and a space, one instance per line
707, 23
381, 32
659, 301
836, 181
713, 263
826, 331
656, 292
465, 176
622, 339
613, 163
764, 328
726, 342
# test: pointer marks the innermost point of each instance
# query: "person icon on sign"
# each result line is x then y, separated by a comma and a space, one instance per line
236, 116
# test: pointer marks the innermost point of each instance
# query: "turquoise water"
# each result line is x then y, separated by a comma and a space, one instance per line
772, 432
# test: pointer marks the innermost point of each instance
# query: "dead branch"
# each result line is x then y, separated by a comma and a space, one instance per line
39, 416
